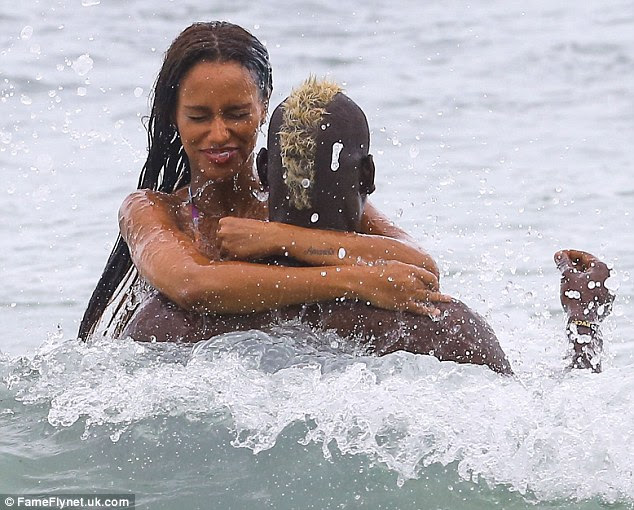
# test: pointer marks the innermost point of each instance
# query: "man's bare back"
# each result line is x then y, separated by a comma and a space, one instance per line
459, 334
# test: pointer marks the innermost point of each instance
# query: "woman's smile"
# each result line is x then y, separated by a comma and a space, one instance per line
221, 156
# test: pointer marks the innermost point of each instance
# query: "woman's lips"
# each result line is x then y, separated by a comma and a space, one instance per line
220, 156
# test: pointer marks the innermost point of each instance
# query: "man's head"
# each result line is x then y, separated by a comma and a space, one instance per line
317, 167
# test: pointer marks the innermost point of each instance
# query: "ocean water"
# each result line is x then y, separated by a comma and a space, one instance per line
502, 131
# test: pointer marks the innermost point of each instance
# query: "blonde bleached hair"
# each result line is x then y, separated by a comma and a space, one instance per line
302, 117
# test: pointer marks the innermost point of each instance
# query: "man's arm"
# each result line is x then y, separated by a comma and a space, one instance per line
586, 301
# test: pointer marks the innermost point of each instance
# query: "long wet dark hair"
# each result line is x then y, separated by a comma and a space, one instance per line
167, 167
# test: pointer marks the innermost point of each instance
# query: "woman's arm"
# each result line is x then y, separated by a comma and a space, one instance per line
380, 240
169, 260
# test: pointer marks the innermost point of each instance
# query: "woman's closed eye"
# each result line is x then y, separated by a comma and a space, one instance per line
238, 114
231, 115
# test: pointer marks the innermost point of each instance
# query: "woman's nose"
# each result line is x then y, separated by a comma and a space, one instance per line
218, 132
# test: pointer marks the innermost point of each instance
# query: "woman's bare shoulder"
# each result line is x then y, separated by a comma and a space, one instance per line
150, 204
144, 209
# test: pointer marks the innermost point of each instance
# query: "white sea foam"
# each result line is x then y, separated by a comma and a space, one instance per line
551, 434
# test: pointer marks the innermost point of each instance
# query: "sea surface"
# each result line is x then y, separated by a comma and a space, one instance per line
502, 132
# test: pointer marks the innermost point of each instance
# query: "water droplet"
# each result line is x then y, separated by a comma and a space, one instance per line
26, 33
336, 151
305, 183
591, 285
323, 273
81, 91
414, 151
314, 218
90, 3
24, 99
82, 65
341, 253
612, 283
138, 92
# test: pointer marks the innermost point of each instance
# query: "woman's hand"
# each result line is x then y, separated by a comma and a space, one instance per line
394, 285
583, 293
246, 239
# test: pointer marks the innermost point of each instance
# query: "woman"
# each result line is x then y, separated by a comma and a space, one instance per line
210, 100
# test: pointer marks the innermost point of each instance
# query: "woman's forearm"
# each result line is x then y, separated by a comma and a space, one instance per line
247, 239
240, 287
326, 248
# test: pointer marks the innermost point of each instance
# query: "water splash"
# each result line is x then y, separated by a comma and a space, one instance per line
544, 434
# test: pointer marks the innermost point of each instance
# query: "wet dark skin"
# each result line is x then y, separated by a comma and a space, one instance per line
585, 299
337, 197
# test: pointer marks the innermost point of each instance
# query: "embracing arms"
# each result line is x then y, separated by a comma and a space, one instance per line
246, 239
168, 258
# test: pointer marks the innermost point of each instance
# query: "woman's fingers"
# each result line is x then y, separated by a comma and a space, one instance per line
428, 278
425, 296
422, 309
437, 297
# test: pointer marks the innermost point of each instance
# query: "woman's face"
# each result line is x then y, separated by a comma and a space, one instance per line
218, 114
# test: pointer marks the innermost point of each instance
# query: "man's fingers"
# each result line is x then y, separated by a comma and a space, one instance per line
577, 261
563, 261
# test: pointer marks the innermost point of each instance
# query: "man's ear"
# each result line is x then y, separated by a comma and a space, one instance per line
366, 175
262, 165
